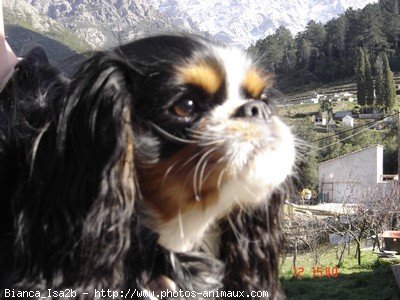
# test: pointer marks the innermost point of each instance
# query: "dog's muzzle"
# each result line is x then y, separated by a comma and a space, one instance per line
254, 109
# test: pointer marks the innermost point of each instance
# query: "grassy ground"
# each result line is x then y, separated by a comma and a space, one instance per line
374, 279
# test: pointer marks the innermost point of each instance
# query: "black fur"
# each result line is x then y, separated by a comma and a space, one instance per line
67, 181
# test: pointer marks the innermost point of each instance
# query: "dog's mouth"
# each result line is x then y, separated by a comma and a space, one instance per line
258, 156
234, 162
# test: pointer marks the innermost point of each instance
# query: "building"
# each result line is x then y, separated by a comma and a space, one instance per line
341, 114
342, 178
391, 241
348, 121
320, 119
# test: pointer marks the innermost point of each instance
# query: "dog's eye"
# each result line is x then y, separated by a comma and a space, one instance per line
184, 108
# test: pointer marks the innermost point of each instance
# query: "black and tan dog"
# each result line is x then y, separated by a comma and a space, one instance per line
156, 167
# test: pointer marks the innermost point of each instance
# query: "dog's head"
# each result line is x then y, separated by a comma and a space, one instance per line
205, 136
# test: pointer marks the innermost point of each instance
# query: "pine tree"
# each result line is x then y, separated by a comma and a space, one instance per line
361, 80
369, 82
389, 88
379, 82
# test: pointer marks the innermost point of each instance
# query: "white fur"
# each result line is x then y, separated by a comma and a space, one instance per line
256, 166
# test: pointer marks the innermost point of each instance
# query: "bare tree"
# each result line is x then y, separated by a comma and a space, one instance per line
308, 231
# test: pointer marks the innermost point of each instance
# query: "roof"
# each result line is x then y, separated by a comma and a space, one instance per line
348, 117
351, 153
390, 234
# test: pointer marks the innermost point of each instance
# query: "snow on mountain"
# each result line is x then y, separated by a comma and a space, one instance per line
242, 22
235, 22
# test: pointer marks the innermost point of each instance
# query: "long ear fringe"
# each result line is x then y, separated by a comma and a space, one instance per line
251, 249
75, 210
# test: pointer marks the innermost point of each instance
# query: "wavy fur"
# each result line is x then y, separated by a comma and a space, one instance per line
72, 211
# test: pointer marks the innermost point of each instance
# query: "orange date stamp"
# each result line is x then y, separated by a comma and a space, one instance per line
316, 271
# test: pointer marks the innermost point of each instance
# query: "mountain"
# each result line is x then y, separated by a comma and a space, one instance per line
235, 22
26, 27
242, 22
105, 23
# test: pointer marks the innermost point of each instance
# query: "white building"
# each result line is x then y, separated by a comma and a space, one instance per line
320, 119
341, 178
346, 94
348, 121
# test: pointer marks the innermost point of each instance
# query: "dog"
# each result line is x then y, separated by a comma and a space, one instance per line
157, 167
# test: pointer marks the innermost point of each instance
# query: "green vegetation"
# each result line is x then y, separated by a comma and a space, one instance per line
388, 86
328, 53
55, 30
361, 77
353, 282
379, 82
325, 143
369, 83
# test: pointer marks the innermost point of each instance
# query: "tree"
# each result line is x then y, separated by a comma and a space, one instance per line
369, 82
303, 51
335, 43
276, 52
389, 88
391, 14
308, 171
326, 53
361, 80
306, 231
372, 34
315, 33
327, 106
307, 165
379, 82
352, 38
287, 44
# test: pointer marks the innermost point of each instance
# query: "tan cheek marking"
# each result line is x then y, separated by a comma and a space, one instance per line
173, 194
202, 75
254, 83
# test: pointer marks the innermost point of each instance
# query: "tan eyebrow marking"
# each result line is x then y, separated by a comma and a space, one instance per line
254, 83
202, 75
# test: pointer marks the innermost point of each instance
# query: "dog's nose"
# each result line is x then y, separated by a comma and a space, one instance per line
254, 109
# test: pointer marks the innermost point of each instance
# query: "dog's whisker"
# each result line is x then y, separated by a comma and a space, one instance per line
220, 176
181, 230
171, 136
167, 172
210, 171
196, 189
190, 159
201, 177
211, 143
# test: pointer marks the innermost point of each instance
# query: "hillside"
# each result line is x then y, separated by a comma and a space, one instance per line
328, 90
106, 23
26, 27
327, 53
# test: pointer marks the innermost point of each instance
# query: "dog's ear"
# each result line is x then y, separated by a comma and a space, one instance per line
83, 167
95, 133
251, 242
